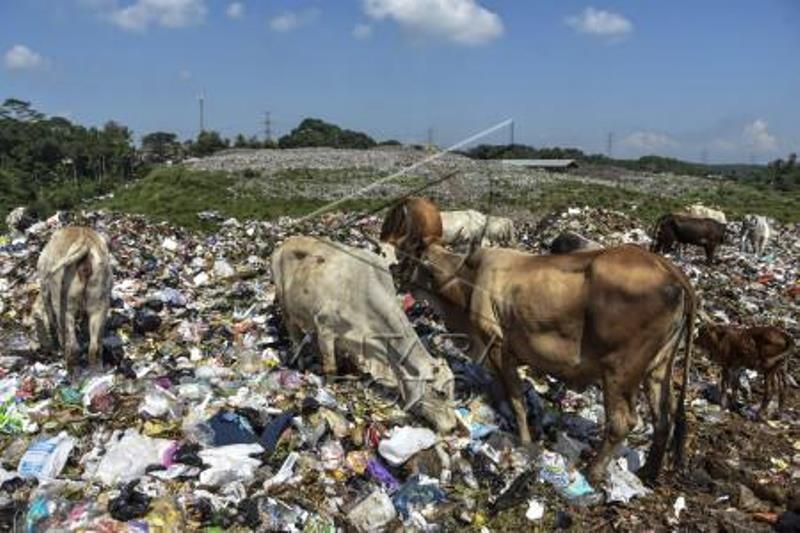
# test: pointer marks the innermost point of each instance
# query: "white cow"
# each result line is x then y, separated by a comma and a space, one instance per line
470, 226
74, 276
701, 211
500, 231
462, 227
346, 296
756, 233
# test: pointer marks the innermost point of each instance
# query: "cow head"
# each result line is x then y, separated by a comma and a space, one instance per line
436, 402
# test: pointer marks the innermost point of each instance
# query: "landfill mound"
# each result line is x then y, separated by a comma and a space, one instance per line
206, 419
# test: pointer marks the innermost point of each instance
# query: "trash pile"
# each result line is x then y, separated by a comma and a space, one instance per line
208, 418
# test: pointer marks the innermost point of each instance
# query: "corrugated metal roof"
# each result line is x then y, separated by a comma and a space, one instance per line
541, 163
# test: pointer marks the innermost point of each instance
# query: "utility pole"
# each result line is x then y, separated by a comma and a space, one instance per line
202, 98
512, 133
267, 126
430, 139
610, 144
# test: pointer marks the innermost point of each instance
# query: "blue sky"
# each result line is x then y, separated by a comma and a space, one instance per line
676, 78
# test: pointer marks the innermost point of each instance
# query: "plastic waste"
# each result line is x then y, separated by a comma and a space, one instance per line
46, 458
285, 474
373, 512
230, 428
569, 483
535, 510
622, 484
129, 504
418, 492
403, 442
128, 455
229, 463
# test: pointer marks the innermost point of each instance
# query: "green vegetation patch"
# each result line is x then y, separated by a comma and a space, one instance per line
177, 195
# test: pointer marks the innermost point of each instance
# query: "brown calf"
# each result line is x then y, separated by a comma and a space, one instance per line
765, 349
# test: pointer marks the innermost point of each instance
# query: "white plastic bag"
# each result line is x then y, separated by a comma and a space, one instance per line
229, 463
128, 457
405, 442
46, 458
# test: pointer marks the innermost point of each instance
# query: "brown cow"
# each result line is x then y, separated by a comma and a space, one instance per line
612, 316
412, 224
765, 349
674, 228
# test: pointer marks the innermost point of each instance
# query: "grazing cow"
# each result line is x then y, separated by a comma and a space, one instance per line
410, 224
500, 231
569, 241
765, 349
346, 296
463, 227
18, 220
755, 234
613, 317
701, 211
672, 228
74, 275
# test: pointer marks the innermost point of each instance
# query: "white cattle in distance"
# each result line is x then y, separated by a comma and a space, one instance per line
756, 234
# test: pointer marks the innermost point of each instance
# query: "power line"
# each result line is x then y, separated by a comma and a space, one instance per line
267, 126
201, 99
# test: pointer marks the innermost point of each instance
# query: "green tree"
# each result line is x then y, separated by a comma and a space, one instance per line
208, 142
315, 132
160, 146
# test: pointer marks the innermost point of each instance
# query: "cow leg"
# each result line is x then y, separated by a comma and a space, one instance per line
327, 343
513, 386
723, 388
71, 348
658, 390
709, 248
97, 322
769, 378
620, 419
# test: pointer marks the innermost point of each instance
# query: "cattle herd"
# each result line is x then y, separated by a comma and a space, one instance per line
584, 314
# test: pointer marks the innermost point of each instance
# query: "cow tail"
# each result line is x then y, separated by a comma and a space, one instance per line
656, 231
681, 429
77, 251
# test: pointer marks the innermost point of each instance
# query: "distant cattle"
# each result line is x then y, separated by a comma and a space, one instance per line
701, 211
18, 220
765, 349
674, 229
473, 227
463, 227
756, 233
346, 297
500, 231
614, 316
569, 241
74, 276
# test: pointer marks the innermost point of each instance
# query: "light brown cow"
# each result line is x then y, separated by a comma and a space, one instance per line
765, 349
74, 276
412, 224
613, 317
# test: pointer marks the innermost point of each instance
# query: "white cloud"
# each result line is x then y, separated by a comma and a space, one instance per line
649, 141
758, 138
600, 23
167, 13
185, 75
235, 10
291, 20
20, 57
458, 21
362, 31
